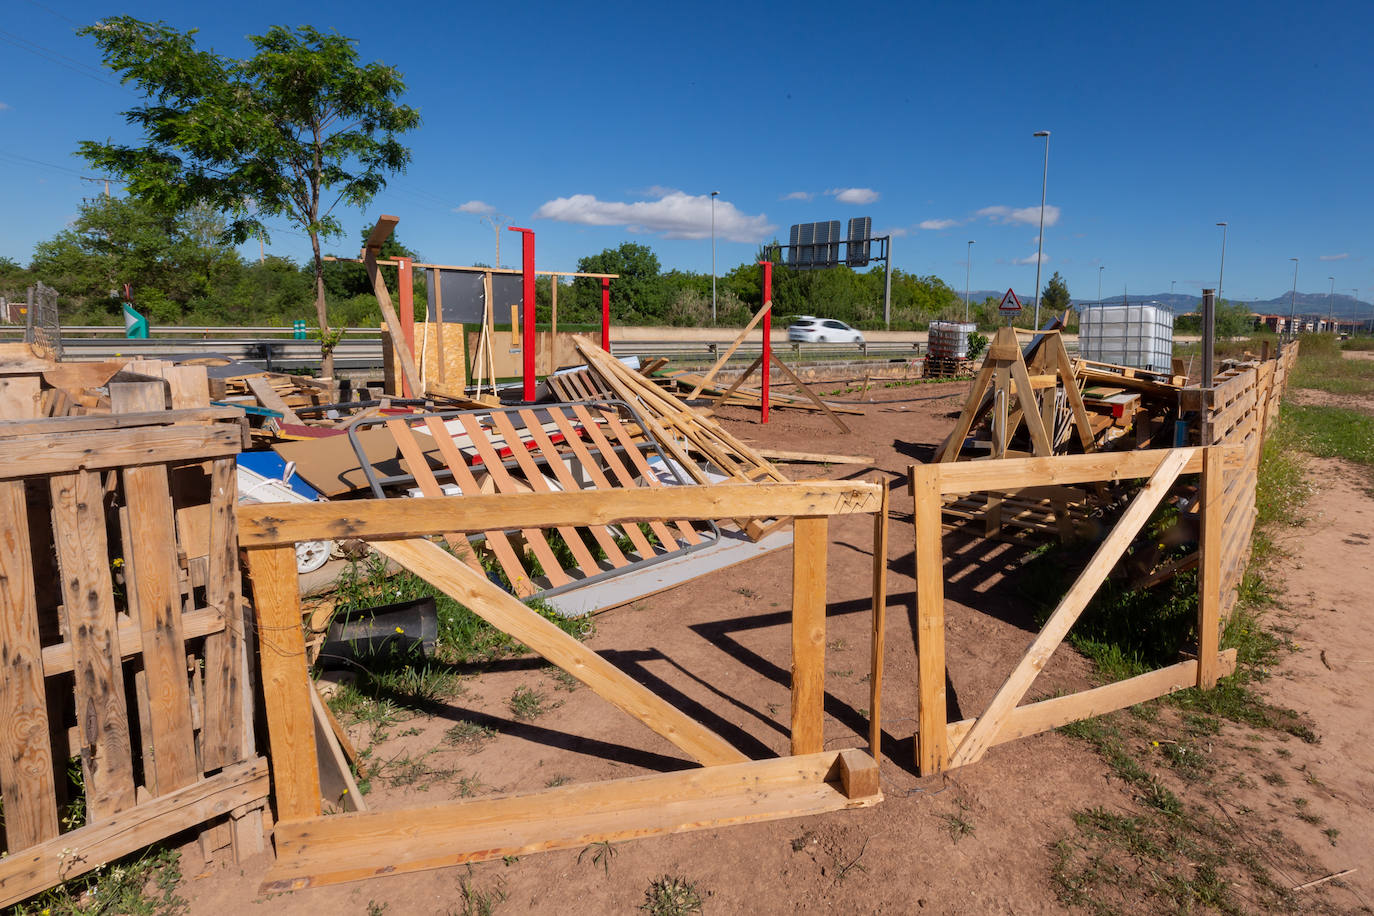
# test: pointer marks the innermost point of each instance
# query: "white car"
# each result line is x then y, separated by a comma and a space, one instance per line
822, 330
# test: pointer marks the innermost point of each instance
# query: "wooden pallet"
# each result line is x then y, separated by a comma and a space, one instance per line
947, 367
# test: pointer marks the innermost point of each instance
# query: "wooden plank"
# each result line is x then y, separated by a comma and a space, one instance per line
666, 539
88, 596
26, 761
42, 455
1004, 473
973, 746
505, 483
267, 396
808, 634
496, 539
224, 733
875, 667
734, 386
150, 555
806, 390
1209, 572
190, 386
730, 351
281, 655
1025, 396
535, 478
276, 524
931, 750
393, 324
773, 454
10, 427
445, 572
61, 657
27, 872
350, 847
631, 450
564, 476
954, 444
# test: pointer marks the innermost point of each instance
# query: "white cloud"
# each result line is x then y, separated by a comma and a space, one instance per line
854, 195
1334, 257
4, 107
675, 214
899, 232
938, 223
797, 195
1030, 216
1030, 258
475, 206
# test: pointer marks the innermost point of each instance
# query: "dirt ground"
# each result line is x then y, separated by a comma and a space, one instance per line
720, 649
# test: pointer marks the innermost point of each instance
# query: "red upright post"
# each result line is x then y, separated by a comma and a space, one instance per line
606, 314
406, 300
767, 334
527, 267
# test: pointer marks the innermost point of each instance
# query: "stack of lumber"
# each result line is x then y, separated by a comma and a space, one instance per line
947, 367
741, 396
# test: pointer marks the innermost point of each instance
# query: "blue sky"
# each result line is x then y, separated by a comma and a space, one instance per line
594, 124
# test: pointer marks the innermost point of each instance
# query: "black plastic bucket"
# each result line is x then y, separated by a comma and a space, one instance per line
368, 635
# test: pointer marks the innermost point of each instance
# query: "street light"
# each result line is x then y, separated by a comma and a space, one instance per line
968, 268
1171, 286
1293, 302
1223, 261
1330, 313
1100, 268
714, 195
1040, 242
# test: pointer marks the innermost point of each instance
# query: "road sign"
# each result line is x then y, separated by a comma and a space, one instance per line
1010, 303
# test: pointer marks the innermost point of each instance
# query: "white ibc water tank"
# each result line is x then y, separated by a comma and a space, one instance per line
949, 339
1141, 336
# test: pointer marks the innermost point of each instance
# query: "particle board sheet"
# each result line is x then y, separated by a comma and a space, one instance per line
591, 445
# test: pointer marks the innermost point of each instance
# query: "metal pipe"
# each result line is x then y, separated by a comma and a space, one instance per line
1040, 242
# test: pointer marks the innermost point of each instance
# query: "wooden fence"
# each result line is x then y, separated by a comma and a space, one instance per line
125, 708
729, 788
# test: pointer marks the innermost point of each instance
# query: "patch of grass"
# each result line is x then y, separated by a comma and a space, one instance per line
1331, 833
562, 779
477, 902
956, 824
528, 704
1333, 432
600, 854
141, 885
671, 895
469, 735
563, 680
1321, 367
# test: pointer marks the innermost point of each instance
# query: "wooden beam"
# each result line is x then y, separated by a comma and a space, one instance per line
931, 749
351, 847
24, 873
1034, 718
285, 681
49, 426
971, 749
43, 455
381, 231
267, 396
1210, 582
1005, 473
446, 572
730, 351
811, 395
875, 666
277, 524
808, 635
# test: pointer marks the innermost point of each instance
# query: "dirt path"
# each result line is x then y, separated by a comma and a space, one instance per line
1326, 597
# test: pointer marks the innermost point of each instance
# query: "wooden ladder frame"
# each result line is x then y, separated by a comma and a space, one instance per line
941, 744
313, 849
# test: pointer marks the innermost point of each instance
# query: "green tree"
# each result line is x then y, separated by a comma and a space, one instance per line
636, 296
1055, 296
264, 137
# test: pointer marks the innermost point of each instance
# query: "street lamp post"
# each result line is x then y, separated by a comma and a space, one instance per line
714, 195
1293, 301
1100, 268
1040, 242
1330, 311
1222, 275
1171, 286
968, 269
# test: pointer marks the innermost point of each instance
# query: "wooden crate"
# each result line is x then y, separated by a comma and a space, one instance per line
123, 632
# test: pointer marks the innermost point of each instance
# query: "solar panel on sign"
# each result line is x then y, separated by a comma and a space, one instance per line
860, 231
832, 240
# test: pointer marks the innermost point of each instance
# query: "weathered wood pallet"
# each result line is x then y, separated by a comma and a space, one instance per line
123, 628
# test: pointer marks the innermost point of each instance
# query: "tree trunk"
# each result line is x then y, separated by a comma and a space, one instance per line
322, 312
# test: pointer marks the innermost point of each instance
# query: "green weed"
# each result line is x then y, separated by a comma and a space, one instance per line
528, 704
470, 736
142, 885
671, 895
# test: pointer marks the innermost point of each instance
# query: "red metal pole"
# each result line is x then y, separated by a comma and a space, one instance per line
406, 298
606, 314
767, 334
527, 267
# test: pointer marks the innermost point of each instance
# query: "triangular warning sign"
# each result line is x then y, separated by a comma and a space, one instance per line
1010, 303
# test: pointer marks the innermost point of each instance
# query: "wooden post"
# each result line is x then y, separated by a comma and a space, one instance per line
405, 294
553, 323
875, 672
808, 634
437, 279
281, 648
932, 750
1209, 580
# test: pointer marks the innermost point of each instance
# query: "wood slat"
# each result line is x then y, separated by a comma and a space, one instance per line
88, 596
626, 441
931, 749
808, 634
42, 454
150, 555
225, 735
623, 474
875, 668
572, 435
414, 456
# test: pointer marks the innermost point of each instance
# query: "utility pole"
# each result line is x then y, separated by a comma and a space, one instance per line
497, 221
1100, 268
1330, 312
1293, 301
1040, 242
714, 195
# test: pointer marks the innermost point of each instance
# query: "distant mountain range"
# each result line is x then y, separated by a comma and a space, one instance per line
1342, 306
